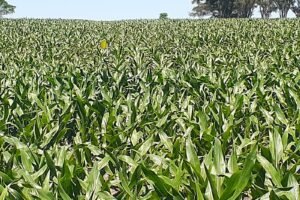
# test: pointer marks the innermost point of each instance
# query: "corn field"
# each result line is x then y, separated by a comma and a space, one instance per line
167, 109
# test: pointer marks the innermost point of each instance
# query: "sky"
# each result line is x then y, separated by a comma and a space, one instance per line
104, 9
100, 9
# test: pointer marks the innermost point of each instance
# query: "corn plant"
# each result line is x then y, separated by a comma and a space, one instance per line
173, 109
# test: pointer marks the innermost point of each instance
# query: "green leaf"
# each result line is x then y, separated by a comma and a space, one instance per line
159, 184
239, 180
50, 163
199, 193
170, 183
125, 184
280, 115
166, 141
232, 162
105, 195
128, 160
4, 194
202, 120
270, 169
5, 178
26, 160
296, 97
135, 137
146, 146
212, 184
274, 196
219, 162
46, 195
162, 121
192, 157
276, 146
92, 181
62, 193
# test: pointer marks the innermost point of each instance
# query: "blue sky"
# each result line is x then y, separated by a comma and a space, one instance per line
100, 9
104, 9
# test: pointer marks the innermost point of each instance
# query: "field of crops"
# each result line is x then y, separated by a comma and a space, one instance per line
170, 110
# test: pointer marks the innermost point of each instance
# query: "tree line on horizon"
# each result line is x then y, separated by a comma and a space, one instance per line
244, 8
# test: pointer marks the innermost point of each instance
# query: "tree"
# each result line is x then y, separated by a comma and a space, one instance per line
244, 8
296, 8
217, 8
201, 9
266, 7
283, 6
6, 8
163, 16
223, 8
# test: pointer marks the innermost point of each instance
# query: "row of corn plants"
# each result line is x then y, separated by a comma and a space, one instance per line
149, 109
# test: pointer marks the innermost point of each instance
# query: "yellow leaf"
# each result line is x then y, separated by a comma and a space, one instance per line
103, 44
